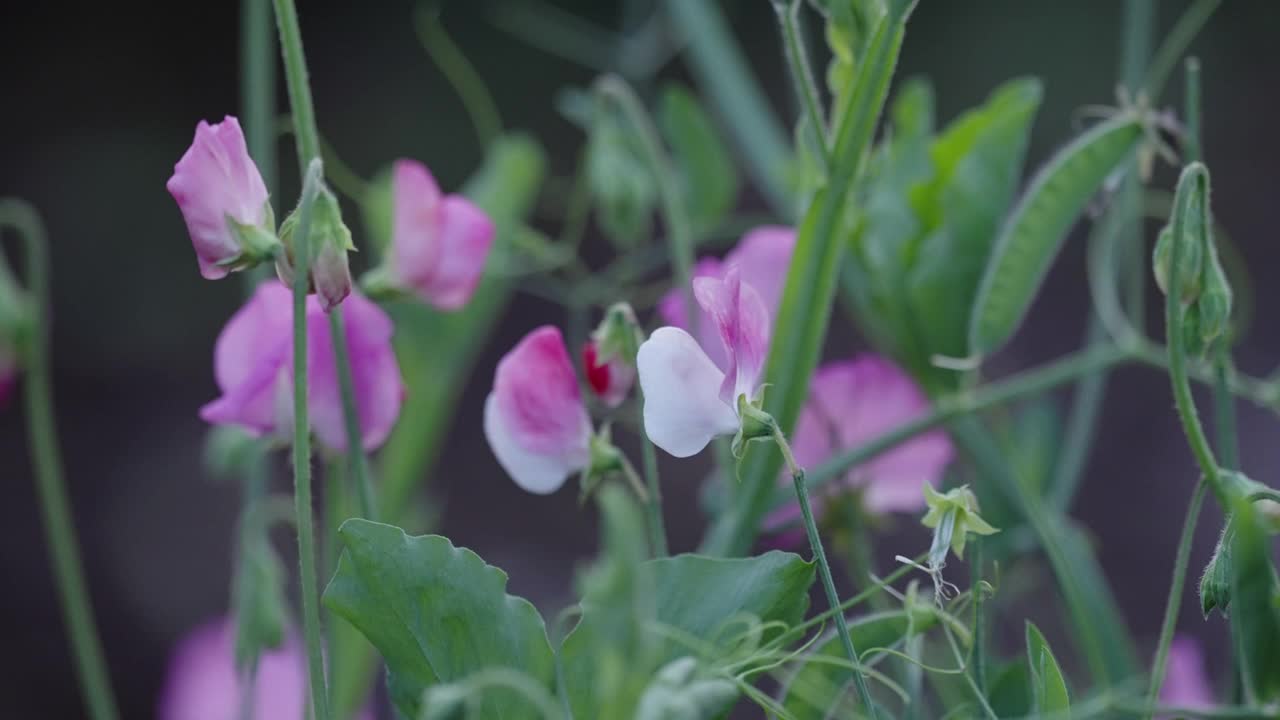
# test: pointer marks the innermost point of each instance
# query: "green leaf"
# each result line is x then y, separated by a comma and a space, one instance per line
1009, 691
813, 691
1255, 605
709, 182
1048, 687
700, 604
437, 614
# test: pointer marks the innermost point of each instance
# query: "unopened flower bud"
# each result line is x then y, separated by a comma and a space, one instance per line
223, 201
609, 357
1215, 584
1215, 301
1191, 258
328, 240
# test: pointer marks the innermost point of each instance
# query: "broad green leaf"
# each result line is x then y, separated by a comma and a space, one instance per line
437, 614
701, 606
1255, 605
813, 691
708, 179
811, 282
1009, 691
1048, 687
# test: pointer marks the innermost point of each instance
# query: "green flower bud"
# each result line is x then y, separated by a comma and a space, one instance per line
1215, 584
1215, 301
258, 599
329, 241
1192, 259
620, 182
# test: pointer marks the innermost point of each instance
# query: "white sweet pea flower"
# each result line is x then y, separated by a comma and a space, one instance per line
688, 400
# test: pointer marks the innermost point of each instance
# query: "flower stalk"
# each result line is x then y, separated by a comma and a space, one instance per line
55, 507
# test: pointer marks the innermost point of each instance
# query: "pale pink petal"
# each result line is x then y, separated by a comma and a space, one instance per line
611, 381
763, 256
671, 308
535, 421
203, 684
252, 352
682, 406
850, 404
214, 180
439, 243
1185, 682
743, 324
375, 373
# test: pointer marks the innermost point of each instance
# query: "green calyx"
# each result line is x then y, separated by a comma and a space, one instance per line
755, 424
952, 516
258, 243
618, 335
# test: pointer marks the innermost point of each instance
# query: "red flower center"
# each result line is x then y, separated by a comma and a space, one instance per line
597, 374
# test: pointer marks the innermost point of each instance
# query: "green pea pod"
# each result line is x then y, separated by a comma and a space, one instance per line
1215, 299
1034, 232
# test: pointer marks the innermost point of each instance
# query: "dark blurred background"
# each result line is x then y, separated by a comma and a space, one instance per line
100, 101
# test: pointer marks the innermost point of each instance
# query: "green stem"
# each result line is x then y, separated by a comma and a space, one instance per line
1185, 403
470, 87
301, 108
723, 73
649, 457
1174, 602
978, 651
802, 78
824, 568
679, 235
55, 507
302, 505
258, 88
357, 464
1176, 43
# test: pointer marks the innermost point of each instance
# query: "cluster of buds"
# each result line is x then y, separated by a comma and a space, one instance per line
1203, 287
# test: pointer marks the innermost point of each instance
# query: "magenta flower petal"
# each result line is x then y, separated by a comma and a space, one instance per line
251, 362
1185, 682
375, 374
610, 380
213, 181
854, 402
253, 365
203, 683
740, 317
534, 419
439, 243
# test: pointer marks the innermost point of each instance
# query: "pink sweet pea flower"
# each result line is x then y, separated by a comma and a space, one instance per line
1185, 683
439, 242
253, 365
611, 379
688, 400
762, 255
854, 402
203, 683
216, 184
534, 418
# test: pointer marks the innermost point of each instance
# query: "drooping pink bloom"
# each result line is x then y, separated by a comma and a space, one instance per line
851, 403
609, 379
534, 418
762, 256
439, 242
215, 184
203, 683
1185, 682
688, 400
253, 365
